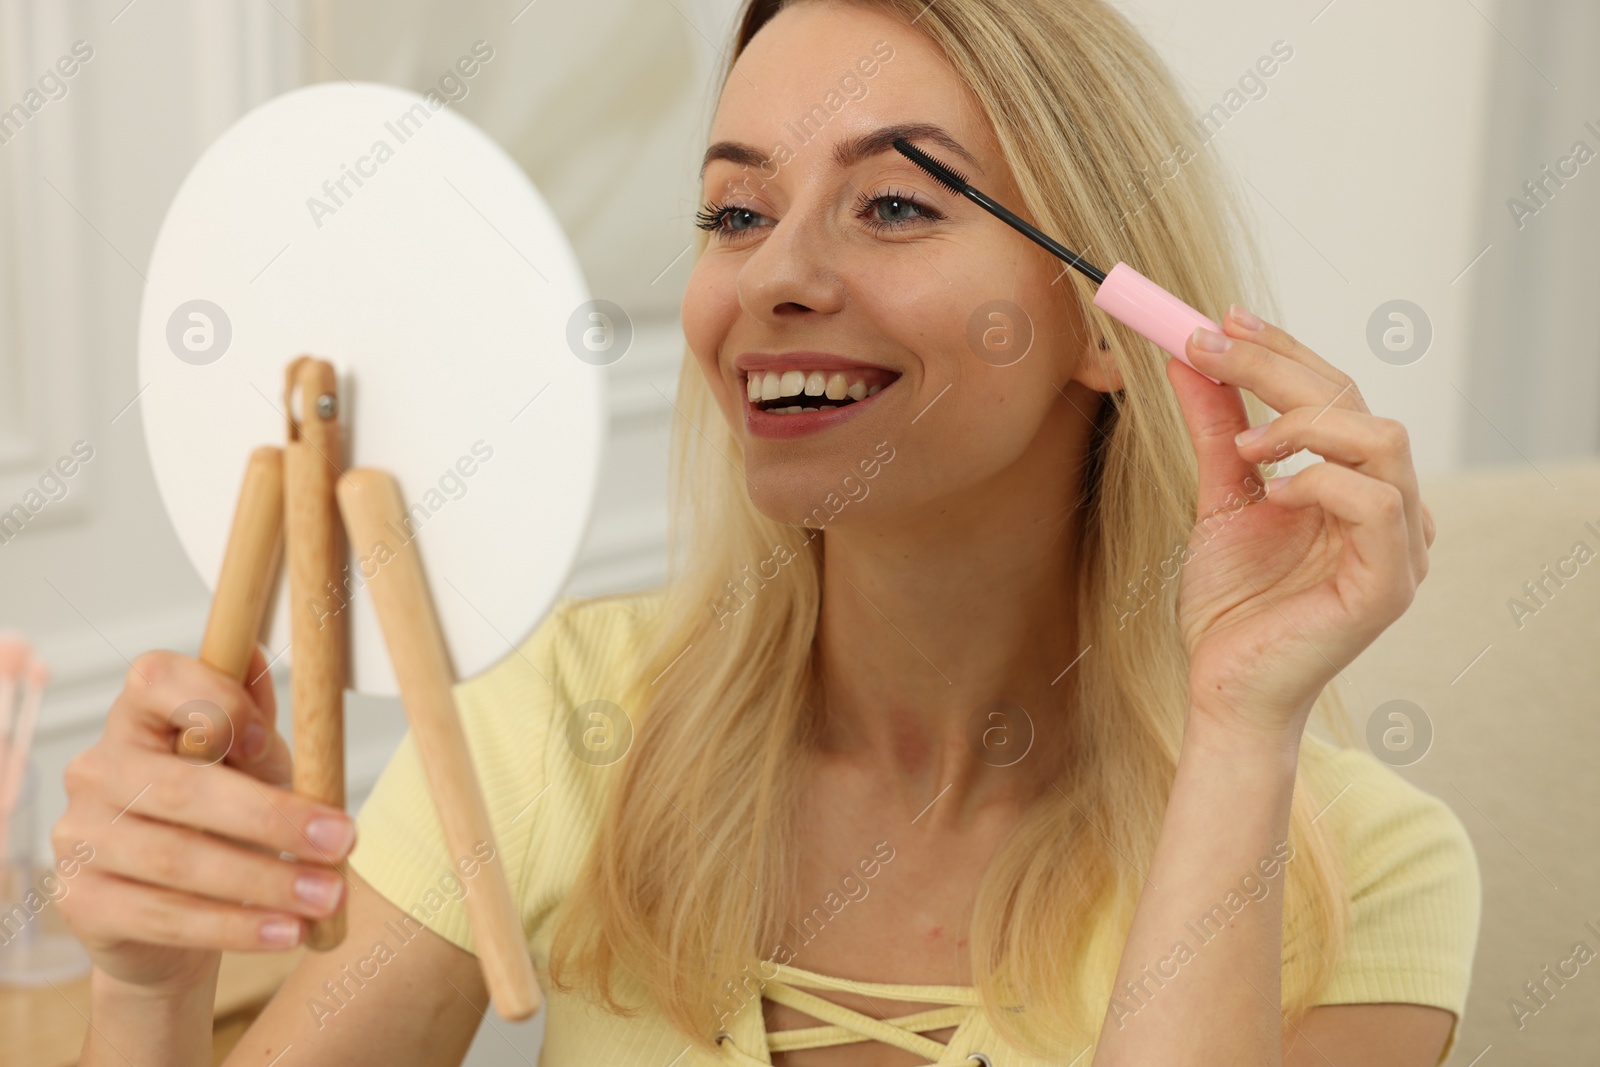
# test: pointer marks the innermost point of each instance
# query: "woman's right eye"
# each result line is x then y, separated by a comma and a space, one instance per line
725, 220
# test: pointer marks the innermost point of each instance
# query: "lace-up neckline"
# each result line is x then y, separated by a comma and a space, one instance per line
845, 1026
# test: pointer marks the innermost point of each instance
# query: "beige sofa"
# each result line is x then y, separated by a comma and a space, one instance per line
1513, 696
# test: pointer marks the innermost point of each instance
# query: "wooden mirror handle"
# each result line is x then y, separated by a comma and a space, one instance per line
315, 548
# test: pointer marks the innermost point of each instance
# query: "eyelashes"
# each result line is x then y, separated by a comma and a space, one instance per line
714, 217
710, 216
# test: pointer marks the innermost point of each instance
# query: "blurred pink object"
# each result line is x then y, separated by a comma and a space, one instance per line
15, 651
15, 765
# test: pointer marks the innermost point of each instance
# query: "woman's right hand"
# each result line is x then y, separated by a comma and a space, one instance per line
185, 851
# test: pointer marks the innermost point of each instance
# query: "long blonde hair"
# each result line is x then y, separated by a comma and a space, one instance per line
727, 698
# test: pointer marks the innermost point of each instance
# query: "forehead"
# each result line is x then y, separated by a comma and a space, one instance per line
821, 74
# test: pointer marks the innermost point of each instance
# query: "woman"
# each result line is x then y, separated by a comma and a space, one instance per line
970, 728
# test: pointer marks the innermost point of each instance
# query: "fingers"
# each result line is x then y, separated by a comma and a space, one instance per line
1214, 414
1374, 446
1324, 412
106, 910
188, 850
160, 693
176, 857
216, 798
1374, 515
1242, 324
166, 692
1280, 381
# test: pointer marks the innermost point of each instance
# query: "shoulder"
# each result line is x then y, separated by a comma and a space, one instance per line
549, 721
584, 645
544, 726
1412, 878
604, 633
584, 654
1389, 830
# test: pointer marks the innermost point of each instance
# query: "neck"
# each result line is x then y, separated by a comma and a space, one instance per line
943, 636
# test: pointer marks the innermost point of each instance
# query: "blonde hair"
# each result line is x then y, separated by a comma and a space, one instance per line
690, 882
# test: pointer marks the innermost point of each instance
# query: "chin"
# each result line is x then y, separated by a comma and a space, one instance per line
784, 498
818, 494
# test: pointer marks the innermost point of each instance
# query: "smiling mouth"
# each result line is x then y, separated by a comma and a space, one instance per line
792, 392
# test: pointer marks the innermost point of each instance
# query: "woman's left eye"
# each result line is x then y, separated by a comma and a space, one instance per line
887, 211
895, 204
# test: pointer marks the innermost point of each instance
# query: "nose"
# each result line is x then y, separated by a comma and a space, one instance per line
793, 270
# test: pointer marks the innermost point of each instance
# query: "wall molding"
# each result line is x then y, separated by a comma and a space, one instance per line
46, 405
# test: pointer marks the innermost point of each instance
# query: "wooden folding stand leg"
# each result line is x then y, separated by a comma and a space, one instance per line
244, 588
373, 511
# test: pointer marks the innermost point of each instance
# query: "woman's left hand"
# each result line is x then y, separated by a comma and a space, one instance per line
1286, 583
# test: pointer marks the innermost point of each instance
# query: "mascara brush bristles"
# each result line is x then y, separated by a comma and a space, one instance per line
950, 179
956, 183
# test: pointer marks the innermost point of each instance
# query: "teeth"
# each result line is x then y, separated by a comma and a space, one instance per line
773, 385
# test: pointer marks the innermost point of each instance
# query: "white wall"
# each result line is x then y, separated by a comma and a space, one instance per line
1361, 163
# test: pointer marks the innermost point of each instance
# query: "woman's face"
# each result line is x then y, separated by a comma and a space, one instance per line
842, 278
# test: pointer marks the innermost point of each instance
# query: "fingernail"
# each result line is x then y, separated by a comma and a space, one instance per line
333, 835
321, 890
1244, 318
1210, 341
255, 741
1244, 437
281, 932
1274, 484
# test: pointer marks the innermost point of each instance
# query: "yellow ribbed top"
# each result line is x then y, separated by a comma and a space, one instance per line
1411, 869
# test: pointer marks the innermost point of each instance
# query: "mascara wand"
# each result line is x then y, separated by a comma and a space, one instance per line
1124, 293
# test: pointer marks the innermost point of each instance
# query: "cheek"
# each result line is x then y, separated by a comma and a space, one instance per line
906, 311
709, 309
997, 403
963, 309
1002, 415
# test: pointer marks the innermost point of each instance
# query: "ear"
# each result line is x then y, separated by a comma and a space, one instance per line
1096, 367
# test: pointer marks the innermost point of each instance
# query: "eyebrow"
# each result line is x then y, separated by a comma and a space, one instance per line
849, 152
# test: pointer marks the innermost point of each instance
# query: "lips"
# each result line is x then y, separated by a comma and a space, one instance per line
792, 393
